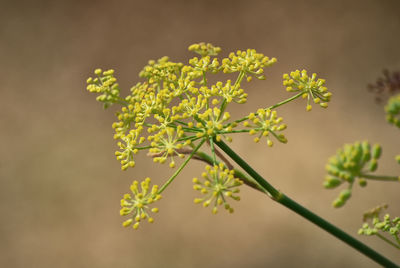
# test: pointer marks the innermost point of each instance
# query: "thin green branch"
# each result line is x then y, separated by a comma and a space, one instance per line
239, 79
387, 241
380, 178
272, 192
397, 239
237, 83
307, 214
234, 131
144, 147
222, 109
193, 138
285, 101
181, 122
335, 231
274, 106
122, 102
211, 142
181, 167
202, 156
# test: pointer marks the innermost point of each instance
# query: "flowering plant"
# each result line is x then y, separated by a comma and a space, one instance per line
359, 161
176, 111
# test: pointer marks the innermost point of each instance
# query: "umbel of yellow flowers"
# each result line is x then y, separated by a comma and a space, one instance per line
175, 110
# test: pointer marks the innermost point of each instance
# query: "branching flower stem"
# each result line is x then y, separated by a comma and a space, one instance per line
238, 174
224, 103
181, 114
202, 156
302, 211
181, 167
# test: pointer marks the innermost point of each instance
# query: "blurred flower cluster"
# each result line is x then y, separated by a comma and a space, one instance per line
379, 227
388, 84
351, 162
392, 110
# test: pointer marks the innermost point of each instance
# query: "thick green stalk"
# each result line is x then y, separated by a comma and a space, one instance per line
307, 214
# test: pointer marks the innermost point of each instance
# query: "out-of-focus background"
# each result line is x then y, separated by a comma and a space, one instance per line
60, 184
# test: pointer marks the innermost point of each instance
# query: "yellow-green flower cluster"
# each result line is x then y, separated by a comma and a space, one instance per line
266, 123
204, 49
380, 227
175, 110
213, 123
229, 92
312, 89
351, 162
175, 106
128, 148
163, 70
374, 212
393, 111
106, 84
219, 185
205, 64
386, 225
250, 62
138, 205
166, 143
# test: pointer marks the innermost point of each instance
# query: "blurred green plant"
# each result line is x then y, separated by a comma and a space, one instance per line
380, 227
358, 161
353, 161
393, 111
175, 111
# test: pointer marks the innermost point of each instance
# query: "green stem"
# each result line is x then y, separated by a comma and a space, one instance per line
213, 151
238, 174
380, 178
192, 130
224, 102
237, 83
181, 167
307, 214
204, 79
181, 122
274, 106
387, 241
144, 148
397, 240
239, 78
272, 192
285, 101
193, 138
222, 109
234, 131
122, 102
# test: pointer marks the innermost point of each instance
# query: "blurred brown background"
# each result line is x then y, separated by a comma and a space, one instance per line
60, 184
